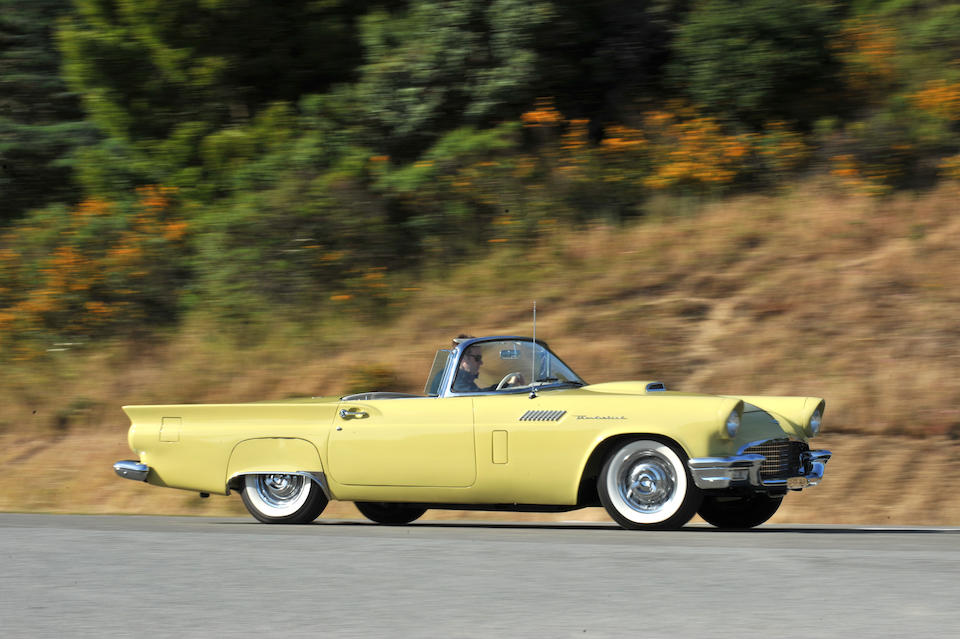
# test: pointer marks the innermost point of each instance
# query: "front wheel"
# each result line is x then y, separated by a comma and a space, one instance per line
384, 512
645, 485
739, 512
283, 499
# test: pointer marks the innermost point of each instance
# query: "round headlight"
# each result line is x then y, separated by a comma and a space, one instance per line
815, 420
733, 423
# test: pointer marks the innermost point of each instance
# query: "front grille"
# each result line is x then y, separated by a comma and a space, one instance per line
782, 458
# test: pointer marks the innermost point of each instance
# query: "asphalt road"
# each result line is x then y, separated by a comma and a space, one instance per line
92, 576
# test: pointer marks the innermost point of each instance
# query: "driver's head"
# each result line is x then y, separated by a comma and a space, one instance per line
471, 361
461, 338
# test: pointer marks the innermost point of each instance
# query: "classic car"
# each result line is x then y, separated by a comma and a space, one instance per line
503, 424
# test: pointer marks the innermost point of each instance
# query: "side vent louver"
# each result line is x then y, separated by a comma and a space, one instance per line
542, 415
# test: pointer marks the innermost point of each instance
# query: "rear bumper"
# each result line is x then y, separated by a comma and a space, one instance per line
744, 470
134, 470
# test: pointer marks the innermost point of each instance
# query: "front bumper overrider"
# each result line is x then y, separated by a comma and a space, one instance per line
744, 471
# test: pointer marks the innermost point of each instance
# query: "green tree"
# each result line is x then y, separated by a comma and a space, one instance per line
600, 59
759, 60
157, 76
40, 120
442, 64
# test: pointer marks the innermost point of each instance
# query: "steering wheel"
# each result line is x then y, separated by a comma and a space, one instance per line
506, 378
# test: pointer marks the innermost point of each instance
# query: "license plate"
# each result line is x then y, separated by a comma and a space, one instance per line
796, 482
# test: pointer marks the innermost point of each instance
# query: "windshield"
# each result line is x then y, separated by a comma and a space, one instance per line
509, 364
436, 372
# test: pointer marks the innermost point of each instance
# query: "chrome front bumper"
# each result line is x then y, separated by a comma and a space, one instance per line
132, 470
744, 470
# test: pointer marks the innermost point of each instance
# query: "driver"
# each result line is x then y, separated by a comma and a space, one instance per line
466, 379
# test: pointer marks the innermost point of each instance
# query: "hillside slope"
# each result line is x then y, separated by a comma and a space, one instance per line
852, 299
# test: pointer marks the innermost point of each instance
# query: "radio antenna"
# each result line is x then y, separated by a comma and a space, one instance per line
533, 357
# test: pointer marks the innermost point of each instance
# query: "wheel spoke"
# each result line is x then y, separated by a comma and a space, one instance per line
646, 481
279, 490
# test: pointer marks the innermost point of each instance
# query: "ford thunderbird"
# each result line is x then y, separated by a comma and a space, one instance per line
502, 424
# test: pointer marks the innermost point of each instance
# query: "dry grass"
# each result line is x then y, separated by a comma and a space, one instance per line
852, 299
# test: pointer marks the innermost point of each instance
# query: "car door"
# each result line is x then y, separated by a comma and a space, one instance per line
420, 441
530, 450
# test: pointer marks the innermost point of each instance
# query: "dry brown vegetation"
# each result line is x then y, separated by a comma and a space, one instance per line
849, 298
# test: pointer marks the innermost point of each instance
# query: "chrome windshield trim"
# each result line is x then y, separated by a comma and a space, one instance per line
453, 364
130, 469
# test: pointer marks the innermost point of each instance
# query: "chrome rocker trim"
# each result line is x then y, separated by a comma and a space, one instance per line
129, 469
744, 470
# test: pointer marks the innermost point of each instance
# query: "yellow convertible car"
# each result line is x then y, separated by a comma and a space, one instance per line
503, 424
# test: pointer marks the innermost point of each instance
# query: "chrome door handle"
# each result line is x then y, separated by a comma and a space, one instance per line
352, 413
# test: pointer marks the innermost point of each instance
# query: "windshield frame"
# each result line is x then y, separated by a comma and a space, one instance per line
457, 354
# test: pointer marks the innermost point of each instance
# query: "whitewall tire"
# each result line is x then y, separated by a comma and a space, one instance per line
280, 498
645, 484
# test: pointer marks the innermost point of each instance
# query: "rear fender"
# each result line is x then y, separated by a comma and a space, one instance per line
273, 455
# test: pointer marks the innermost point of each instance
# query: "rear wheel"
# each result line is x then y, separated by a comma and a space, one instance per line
384, 512
283, 499
739, 512
645, 485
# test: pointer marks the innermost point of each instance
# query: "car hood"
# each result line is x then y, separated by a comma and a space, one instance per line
761, 413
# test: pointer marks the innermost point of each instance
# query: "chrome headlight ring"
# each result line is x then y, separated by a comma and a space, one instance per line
816, 420
732, 424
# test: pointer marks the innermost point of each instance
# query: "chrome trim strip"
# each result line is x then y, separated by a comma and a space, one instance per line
542, 416
721, 472
318, 477
130, 469
372, 395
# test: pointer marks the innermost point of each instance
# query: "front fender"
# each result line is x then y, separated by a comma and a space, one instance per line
793, 413
694, 424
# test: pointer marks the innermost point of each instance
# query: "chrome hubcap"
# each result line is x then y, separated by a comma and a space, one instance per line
646, 481
279, 490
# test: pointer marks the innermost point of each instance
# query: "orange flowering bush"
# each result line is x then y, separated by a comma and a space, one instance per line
854, 177
868, 49
690, 149
950, 167
544, 114
91, 269
940, 99
677, 147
